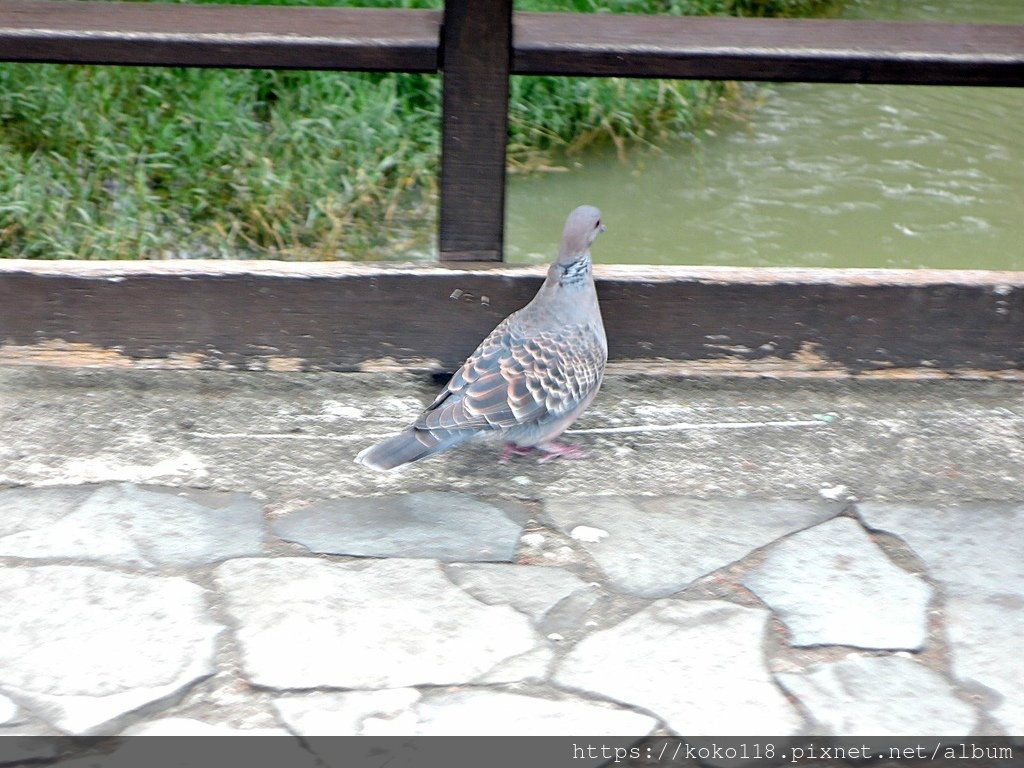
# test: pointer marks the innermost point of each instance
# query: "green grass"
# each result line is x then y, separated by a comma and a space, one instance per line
137, 163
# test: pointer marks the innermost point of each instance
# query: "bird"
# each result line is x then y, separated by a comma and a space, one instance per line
531, 378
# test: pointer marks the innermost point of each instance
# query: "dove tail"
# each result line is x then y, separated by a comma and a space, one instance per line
405, 447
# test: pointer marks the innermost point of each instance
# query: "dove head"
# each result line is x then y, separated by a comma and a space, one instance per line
581, 228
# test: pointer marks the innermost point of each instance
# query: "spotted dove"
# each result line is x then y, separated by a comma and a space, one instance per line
531, 378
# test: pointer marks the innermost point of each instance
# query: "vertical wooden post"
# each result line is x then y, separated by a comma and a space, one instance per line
476, 52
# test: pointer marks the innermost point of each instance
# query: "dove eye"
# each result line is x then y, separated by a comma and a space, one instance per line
597, 224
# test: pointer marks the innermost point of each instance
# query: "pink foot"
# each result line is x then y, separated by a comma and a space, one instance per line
511, 449
560, 450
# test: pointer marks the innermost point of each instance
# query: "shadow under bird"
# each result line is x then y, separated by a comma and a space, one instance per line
531, 378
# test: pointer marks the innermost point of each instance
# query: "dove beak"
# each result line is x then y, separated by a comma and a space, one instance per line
604, 227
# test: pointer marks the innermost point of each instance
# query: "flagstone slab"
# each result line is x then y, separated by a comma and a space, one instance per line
697, 665
533, 590
969, 548
986, 645
308, 623
880, 696
112, 643
973, 552
430, 524
655, 547
831, 585
129, 525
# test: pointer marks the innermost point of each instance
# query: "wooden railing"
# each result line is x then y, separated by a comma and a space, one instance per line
477, 44
320, 316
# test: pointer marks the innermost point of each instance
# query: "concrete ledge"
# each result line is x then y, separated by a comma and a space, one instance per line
347, 317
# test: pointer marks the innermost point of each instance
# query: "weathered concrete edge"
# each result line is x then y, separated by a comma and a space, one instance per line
635, 272
265, 315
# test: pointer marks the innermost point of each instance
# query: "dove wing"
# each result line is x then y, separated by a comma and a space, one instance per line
514, 379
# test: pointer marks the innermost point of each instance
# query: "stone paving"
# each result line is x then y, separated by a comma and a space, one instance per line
197, 606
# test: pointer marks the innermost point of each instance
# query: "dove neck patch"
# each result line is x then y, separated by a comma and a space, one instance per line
576, 272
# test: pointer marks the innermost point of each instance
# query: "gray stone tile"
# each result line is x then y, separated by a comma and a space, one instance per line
657, 546
698, 665
880, 696
431, 524
473, 712
973, 551
39, 507
306, 623
832, 585
986, 639
531, 589
969, 548
127, 525
112, 643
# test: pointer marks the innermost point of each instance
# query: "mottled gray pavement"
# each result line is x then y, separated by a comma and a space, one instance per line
196, 552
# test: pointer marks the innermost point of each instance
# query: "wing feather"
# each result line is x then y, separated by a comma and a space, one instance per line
513, 380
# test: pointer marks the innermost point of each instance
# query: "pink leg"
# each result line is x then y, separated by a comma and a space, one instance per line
511, 449
555, 450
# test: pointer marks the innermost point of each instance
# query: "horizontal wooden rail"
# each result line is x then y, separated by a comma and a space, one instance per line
808, 50
543, 43
265, 37
333, 316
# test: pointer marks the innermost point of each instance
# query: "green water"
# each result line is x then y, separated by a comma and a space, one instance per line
819, 176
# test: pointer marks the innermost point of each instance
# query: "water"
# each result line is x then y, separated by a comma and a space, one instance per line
819, 176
